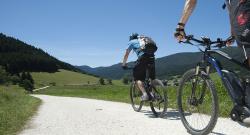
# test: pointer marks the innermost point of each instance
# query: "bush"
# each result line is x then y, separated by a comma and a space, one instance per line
53, 83
109, 81
101, 81
15, 80
125, 80
27, 85
27, 81
3, 76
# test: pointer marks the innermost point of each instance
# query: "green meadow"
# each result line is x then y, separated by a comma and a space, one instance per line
16, 108
67, 85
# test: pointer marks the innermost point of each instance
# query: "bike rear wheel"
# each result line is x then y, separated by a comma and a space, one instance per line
197, 103
135, 97
159, 101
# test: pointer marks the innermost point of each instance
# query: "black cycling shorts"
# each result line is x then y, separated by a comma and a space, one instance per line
143, 65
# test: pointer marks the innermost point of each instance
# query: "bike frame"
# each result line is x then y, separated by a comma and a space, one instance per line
216, 64
209, 60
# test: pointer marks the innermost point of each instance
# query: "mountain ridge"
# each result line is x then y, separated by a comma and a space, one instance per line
172, 65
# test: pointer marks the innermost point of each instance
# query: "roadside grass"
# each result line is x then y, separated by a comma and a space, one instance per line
117, 93
225, 103
16, 108
120, 93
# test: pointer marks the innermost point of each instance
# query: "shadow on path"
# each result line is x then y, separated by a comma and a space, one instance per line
216, 133
169, 115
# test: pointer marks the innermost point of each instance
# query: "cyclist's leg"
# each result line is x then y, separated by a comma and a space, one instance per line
246, 79
151, 68
151, 72
139, 74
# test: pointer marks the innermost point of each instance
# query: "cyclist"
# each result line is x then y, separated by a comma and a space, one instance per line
239, 18
144, 63
239, 12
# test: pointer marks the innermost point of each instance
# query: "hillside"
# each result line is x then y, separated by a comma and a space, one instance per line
17, 56
171, 65
62, 78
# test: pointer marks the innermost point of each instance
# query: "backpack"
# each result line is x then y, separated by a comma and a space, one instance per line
147, 45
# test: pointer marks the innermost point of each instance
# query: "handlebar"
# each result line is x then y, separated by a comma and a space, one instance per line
205, 41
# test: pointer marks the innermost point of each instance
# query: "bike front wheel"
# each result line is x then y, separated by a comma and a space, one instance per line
159, 101
135, 97
197, 103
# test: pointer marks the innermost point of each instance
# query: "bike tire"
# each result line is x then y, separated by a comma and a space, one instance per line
214, 106
135, 97
159, 105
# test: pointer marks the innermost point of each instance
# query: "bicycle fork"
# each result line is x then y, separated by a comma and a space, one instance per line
193, 99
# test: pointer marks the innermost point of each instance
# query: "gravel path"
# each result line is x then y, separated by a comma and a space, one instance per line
79, 116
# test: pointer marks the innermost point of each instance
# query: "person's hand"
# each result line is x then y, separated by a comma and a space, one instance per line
180, 32
230, 41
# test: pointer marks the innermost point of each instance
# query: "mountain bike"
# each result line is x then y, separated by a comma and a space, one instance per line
157, 94
197, 96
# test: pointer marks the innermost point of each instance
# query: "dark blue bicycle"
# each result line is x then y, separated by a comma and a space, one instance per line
197, 95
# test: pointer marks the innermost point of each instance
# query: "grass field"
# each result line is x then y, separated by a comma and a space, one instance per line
118, 92
16, 108
63, 77
225, 103
106, 92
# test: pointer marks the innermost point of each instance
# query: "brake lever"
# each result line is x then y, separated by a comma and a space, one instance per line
220, 42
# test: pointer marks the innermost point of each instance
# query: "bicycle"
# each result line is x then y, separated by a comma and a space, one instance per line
157, 94
197, 96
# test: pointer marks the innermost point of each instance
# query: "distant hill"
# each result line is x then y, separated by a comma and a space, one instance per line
62, 78
17, 56
168, 66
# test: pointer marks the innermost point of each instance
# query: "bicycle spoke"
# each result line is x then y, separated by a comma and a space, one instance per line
197, 103
135, 96
159, 102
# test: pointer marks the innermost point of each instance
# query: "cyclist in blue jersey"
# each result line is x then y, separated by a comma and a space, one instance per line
144, 63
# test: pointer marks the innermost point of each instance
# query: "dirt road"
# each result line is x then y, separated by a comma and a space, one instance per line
79, 116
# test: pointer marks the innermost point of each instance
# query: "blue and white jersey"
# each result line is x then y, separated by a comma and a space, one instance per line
136, 47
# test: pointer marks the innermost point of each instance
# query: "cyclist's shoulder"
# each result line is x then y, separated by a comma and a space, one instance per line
133, 42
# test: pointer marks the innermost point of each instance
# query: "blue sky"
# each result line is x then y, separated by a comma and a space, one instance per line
95, 32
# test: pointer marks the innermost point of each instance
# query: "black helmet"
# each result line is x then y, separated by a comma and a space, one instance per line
133, 36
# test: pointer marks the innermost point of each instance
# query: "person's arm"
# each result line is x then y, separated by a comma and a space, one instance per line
187, 11
125, 58
231, 39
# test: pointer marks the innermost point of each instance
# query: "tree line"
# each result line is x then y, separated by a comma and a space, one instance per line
17, 56
23, 79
